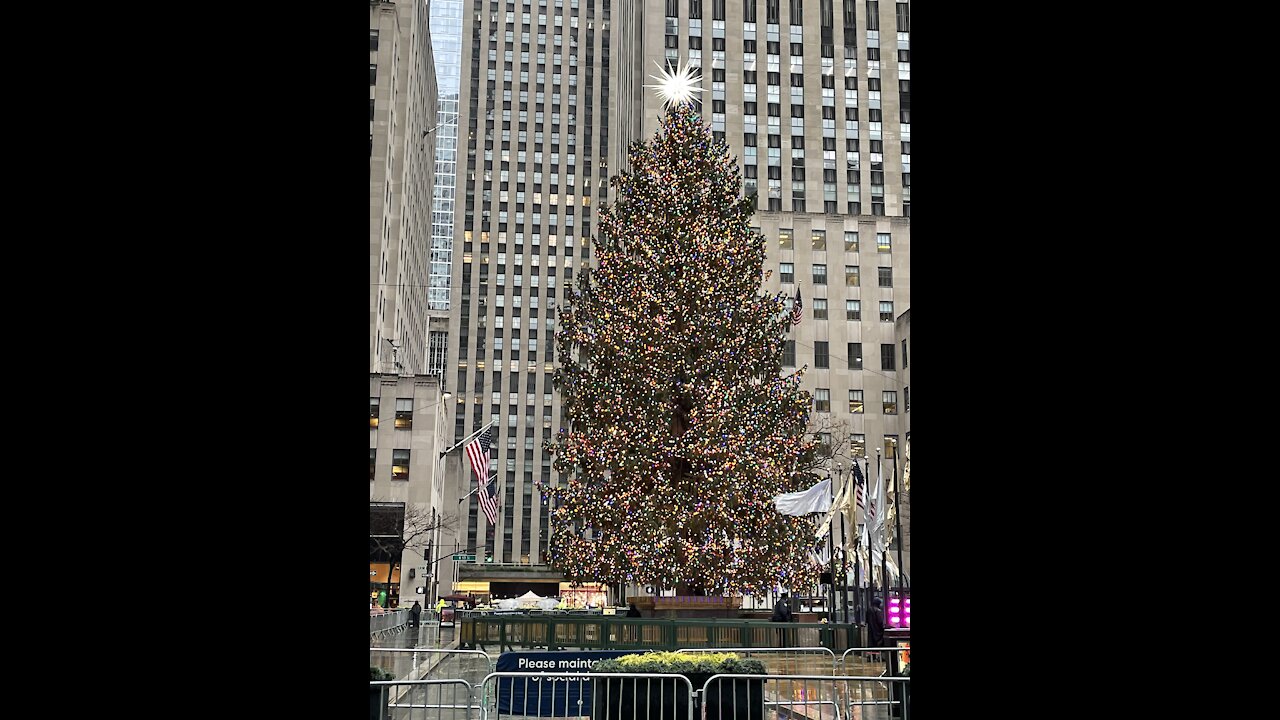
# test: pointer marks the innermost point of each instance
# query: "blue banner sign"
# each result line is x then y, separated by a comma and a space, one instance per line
553, 695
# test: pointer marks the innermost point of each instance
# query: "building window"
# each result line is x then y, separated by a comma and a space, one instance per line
855, 402
851, 275
399, 464
886, 277
853, 309
784, 238
886, 357
904, 354
373, 74
789, 353
858, 445
373, 41
819, 274
906, 398
373, 458
883, 242
788, 272
404, 413
890, 402
886, 311
373, 412
822, 400
855, 356
851, 242
819, 308
890, 446
819, 240
821, 355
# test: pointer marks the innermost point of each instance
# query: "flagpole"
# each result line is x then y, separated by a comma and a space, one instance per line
831, 548
857, 550
464, 440
844, 553
897, 520
881, 509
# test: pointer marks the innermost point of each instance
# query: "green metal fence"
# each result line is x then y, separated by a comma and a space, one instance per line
561, 632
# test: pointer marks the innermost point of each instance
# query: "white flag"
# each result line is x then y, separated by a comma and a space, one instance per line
841, 502
816, 499
876, 518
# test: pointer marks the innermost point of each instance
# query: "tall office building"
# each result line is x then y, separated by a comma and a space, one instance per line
544, 88
446, 44
402, 115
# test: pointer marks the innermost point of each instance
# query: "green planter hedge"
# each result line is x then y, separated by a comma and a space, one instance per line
625, 698
379, 694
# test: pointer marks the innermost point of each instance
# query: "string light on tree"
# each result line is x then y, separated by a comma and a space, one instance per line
682, 427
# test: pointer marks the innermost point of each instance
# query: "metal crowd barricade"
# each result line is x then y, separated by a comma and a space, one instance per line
388, 623
809, 697
784, 660
615, 696
417, 663
422, 700
868, 660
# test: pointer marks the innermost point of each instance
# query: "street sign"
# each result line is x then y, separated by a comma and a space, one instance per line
464, 558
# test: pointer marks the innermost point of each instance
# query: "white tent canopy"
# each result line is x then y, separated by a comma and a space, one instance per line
531, 595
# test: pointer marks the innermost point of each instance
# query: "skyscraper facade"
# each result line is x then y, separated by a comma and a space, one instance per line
553, 93
402, 115
446, 45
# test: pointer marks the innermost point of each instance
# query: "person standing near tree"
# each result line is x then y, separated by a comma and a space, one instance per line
781, 614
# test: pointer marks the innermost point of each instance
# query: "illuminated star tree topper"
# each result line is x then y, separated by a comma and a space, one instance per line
677, 87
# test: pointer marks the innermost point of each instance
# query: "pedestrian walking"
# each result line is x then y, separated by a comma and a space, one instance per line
415, 614
875, 625
781, 614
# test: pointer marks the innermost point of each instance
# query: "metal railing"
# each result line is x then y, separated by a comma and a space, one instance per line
388, 622
869, 660
606, 632
816, 696
634, 696
417, 663
422, 700
782, 661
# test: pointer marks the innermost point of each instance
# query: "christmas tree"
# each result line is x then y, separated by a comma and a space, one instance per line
682, 428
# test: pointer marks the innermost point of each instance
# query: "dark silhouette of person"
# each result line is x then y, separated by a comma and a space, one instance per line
415, 613
875, 624
781, 614
634, 611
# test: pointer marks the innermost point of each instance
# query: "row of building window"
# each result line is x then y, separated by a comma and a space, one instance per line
404, 413
853, 356
818, 240
787, 271
888, 401
399, 464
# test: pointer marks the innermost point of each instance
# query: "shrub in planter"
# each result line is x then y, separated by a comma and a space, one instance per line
378, 694
616, 698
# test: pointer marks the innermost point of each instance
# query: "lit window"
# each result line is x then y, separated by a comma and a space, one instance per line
851, 275
404, 413
399, 464
855, 401
822, 400
784, 238
890, 446
851, 242
886, 311
883, 242
373, 412
819, 239
890, 402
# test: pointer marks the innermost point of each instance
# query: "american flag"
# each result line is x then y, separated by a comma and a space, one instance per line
796, 309
489, 502
478, 454
860, 482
